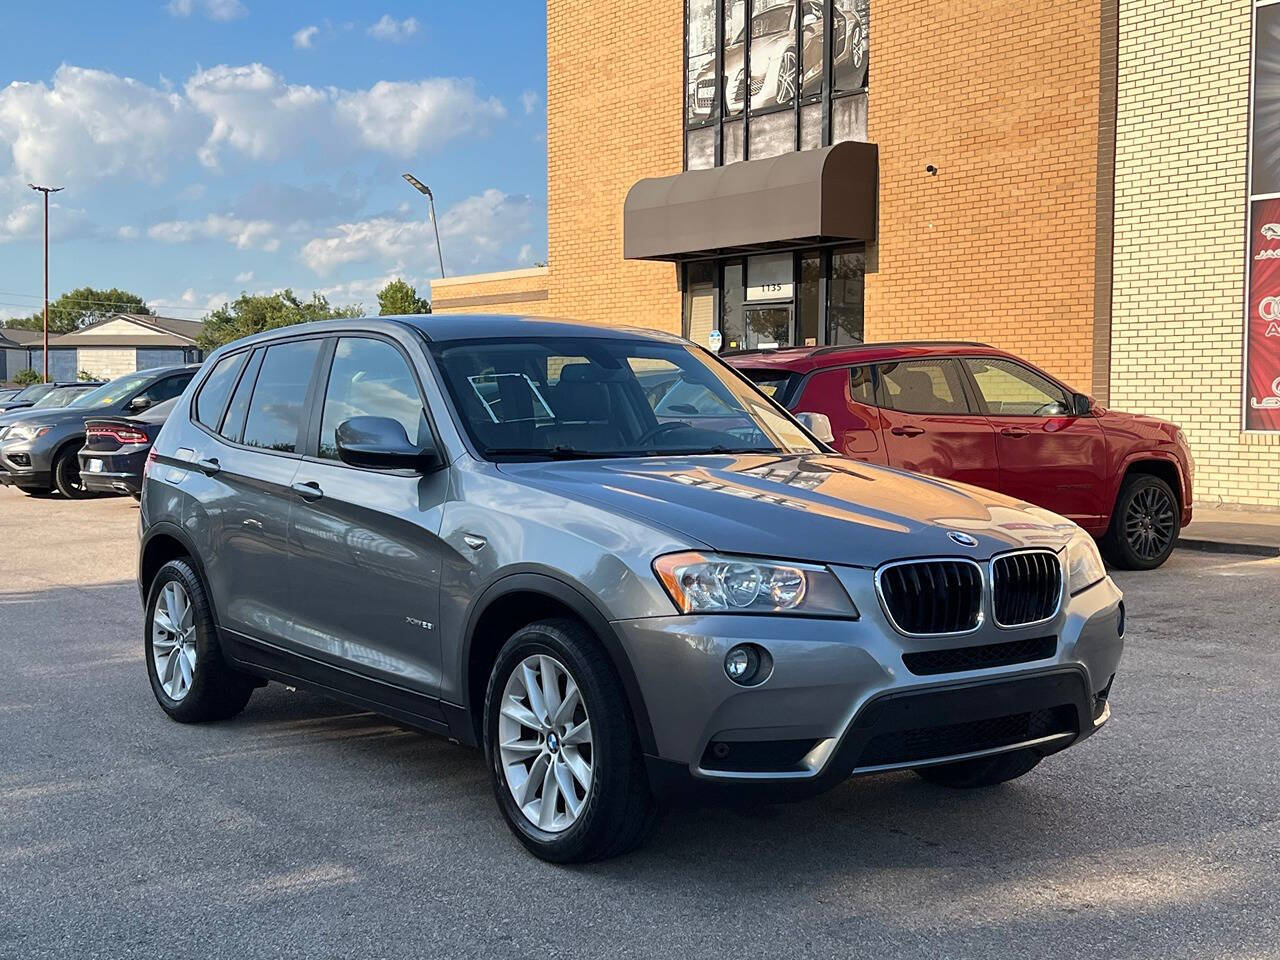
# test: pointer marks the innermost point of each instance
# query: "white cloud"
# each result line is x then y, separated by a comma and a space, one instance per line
190, 303
242, 234
528, 100
472, 232
526, 253
404, 118
91, 124
303, 38
245, 277
128, 233
396, 31
365, 291
213, 9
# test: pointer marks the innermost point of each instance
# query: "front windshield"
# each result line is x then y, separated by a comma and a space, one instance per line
595, 397
59, 398
113, 392
768, 23
34, 392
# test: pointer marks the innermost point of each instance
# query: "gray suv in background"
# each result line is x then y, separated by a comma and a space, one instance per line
609, 560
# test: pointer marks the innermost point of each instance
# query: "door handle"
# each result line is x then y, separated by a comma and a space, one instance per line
308, 491
1014, 432
209, 467
906, 431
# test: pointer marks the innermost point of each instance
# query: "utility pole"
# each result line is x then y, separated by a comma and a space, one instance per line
424, 189
46, 191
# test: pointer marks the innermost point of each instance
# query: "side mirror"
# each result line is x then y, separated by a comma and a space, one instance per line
381, 443
1081, 404
139, 403
819, 424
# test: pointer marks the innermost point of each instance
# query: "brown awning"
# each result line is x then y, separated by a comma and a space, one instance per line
805, 197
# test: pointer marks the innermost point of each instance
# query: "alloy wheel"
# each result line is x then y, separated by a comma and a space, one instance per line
787, 77
173, 640
1150, 522
544, 743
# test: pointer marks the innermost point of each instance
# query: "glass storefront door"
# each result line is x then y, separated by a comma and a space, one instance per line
767, 327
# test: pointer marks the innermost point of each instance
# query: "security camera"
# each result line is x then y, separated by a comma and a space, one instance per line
931, 170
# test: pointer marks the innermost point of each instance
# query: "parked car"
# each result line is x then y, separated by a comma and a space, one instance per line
480, 526
115, 450
28, 395
39, 452
970, 412
60, 396
8, 393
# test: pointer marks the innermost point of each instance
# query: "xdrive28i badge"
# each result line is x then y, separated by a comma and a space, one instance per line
955, 536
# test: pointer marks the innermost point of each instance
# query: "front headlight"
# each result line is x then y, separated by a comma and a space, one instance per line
26, 431
1084, 562
714, 583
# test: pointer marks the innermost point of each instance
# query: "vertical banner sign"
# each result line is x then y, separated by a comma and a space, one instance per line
1262, 324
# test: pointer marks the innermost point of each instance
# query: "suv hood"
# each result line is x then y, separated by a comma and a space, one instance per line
54, 417
818, 508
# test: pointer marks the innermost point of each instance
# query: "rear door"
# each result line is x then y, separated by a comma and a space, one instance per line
1048, 456
240, 493
847, 396
931, 423
364, 544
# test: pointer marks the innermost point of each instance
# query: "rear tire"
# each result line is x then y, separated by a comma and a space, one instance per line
1145, 524
210, 689
617, 811
66, 476
981, 771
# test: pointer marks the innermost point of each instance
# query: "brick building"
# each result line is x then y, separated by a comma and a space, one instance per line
1067, 180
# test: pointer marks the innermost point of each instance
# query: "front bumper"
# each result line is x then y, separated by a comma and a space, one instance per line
23, 464
841, 700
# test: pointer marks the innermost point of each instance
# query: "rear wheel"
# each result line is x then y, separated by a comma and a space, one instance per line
981, 771
66, 476
568, 773
188, 675
1144, 525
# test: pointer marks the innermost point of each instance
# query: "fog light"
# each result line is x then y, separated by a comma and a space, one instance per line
748, 664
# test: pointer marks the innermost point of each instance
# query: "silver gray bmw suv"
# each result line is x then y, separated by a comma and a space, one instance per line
609, 560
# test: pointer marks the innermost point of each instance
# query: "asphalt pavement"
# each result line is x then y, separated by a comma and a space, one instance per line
305, 829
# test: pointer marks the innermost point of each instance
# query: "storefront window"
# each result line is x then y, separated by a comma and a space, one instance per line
845, 299
700, 305
808, 302
733, 327
765, 89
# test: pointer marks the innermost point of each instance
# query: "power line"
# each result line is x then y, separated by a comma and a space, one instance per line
104, 303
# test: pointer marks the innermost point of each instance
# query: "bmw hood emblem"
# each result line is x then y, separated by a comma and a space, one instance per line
963, 539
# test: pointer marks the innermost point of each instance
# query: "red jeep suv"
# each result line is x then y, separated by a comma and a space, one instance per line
970, 412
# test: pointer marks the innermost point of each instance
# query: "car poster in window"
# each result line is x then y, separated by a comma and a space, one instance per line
1262, 324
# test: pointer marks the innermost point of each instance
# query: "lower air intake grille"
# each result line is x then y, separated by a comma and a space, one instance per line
932, 596
928, 743
1026, 587
976, 658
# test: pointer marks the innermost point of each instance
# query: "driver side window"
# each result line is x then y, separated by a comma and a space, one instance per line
1011, 390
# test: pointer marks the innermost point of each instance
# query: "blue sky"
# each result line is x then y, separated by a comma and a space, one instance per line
214, 146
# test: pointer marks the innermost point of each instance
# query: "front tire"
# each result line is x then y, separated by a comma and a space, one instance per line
1144, 525
567, 769
189, 677
66, 476
981, 771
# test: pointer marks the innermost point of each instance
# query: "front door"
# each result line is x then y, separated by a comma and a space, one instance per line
1048, 456
930, 424
364, 544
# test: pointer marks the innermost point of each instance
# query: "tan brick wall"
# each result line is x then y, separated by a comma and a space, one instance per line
999, 246
1180, 236
465, 294
614, 106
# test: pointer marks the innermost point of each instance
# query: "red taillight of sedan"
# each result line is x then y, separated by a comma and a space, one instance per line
121, 435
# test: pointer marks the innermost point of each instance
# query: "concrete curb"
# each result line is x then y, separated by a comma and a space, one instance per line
1224, 546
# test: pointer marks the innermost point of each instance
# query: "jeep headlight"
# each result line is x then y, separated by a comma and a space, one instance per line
27, 431
1084, 562
715, 583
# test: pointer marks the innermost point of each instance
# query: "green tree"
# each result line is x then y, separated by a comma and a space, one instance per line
24, 378
80, 307
398, 298
249, 314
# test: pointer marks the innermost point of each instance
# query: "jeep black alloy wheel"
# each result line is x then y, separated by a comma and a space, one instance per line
1144, 525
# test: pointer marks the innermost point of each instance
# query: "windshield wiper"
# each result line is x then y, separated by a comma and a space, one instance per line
559, 452
705, 451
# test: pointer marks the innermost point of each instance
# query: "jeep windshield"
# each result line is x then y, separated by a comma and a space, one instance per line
580, 398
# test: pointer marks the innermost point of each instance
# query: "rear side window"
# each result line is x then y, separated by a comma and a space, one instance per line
924, 386
370, 378
275, 409
862, 387
772, 383
212, 398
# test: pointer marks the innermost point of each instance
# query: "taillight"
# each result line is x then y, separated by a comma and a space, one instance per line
152, 457
122, 435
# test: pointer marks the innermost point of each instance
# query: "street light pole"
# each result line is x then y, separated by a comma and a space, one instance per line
431, 201
46, 191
